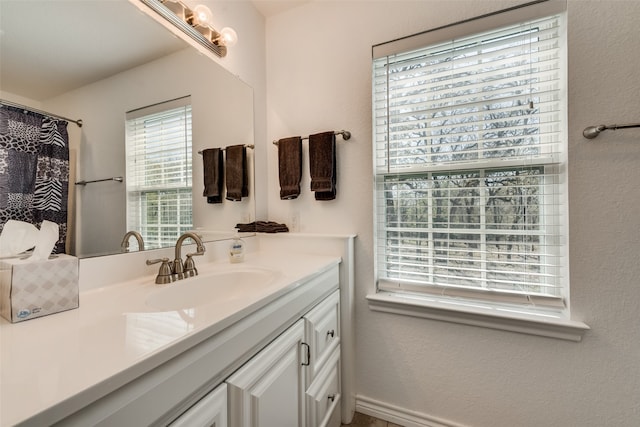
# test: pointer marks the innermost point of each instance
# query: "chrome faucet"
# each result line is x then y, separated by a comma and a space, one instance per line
188, 269
125, 241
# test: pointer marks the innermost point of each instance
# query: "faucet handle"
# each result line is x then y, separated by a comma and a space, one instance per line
190, 269
197, 253
164, 273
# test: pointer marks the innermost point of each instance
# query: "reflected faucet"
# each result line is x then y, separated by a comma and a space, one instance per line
188, 269
125, 241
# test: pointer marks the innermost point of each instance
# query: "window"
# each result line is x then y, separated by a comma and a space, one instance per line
470, 166
158, 147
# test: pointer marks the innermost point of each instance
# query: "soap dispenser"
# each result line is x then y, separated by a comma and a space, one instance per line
236, 249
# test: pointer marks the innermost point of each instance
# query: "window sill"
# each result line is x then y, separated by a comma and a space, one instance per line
478, 314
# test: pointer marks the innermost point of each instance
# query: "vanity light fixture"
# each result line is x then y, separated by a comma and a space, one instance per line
196, 23
201, 16
228, 37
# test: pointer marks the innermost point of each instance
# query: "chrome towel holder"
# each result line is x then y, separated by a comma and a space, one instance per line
593, 131
251, 146
115, 178
346, 135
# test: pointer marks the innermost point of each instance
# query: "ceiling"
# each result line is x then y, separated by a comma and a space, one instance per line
51, 47
48, 48
270, 8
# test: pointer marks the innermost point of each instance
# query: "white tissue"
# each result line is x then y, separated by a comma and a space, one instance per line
17, 237
47, 238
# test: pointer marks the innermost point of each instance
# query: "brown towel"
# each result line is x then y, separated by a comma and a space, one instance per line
262, 227
322, 165
290, 166
236, 173
213, 167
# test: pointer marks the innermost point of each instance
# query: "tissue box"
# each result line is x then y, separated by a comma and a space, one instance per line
38, 288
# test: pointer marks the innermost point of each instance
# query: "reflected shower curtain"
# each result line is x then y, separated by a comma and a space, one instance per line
34, 169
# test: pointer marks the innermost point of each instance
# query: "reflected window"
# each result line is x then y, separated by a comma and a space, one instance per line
158, 149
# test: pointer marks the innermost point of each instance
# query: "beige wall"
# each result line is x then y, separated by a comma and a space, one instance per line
318, 78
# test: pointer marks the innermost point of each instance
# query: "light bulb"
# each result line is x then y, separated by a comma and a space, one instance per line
228, 36
202, 15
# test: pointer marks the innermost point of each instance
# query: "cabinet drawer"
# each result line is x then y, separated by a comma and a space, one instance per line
323, 396
322, 332
210, 411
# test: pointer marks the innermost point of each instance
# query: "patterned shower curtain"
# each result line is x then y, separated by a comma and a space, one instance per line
34, 169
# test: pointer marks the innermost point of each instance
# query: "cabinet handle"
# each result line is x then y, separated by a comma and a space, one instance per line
331, 333
308, 355
331, 397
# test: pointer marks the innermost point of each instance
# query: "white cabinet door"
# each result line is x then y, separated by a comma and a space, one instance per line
210, 411
268, 390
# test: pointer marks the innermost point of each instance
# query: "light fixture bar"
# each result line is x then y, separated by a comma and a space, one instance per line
162, 10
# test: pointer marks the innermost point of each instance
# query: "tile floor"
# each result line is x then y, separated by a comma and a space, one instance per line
361, 420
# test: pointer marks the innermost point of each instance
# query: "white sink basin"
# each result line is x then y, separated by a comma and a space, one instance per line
213, 287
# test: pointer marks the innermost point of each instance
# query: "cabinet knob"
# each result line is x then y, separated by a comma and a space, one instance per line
331, 397
331, 333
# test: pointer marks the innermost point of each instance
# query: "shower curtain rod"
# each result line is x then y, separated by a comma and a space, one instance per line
16, 105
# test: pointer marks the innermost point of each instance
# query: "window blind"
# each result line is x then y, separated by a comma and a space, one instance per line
469, 162
158, 147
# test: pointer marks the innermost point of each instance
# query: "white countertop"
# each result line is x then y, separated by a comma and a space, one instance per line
50, 361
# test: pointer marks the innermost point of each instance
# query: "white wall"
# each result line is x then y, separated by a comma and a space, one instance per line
318, 78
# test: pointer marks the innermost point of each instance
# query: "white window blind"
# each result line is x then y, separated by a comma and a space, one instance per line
469, 165
158, 147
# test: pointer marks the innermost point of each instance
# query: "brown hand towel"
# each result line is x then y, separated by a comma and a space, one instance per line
236, 173
290, 166
213, 167
262, 227
322, 165
270, 227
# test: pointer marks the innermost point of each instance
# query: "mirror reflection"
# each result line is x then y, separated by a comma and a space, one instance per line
111, 73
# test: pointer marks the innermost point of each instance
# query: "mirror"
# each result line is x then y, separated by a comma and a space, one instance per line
95, 60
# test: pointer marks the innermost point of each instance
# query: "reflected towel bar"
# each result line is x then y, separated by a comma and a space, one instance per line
593, 131
346, 135
248, 146
115, 178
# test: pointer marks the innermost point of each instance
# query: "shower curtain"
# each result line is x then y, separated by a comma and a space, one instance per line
34, 169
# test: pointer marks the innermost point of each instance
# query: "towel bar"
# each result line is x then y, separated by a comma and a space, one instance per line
115, 178
248, 146
346, 135
593, 131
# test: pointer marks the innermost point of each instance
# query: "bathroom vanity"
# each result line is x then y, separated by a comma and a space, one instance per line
258, 343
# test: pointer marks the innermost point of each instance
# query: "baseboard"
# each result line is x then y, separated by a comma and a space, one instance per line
398, 415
